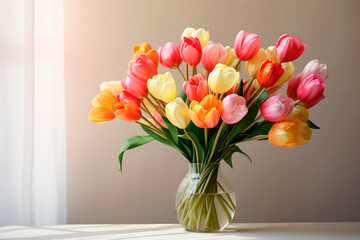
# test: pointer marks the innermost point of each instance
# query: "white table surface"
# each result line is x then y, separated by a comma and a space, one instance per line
256, 231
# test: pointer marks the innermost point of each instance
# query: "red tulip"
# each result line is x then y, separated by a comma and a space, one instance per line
246, 45
170, 55
311, 88
293, 87
212, 55
196, 88
190, 50
289, 48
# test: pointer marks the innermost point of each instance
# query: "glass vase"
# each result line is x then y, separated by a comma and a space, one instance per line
205, 202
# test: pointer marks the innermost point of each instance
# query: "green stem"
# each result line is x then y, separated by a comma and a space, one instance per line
187, 72
182, 75
216, 140
252, 124
206, 133
196, 150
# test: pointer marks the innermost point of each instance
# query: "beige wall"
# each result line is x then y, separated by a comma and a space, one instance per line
315, 182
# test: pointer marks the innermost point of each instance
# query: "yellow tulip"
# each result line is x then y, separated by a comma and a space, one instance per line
222, 78
289, 69
270, 52
253, 64
200, 33
162, 86
299, 113
231, 56
178, 113
114, 87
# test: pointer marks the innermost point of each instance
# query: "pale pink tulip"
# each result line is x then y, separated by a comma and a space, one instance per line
233, 108
170, 55
196, 88
311, 88
315, 67
190, 50
289, 48
293, 87
276, 108
212, 55
246, 45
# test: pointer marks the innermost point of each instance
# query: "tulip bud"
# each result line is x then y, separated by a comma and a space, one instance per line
269, 73
314, 67
222, 78
270, 52
311, 88
190, 51
146, 49
127, 110
115, 87
293, 87
230, 57
178, 113
163, 87
289, 69
290, 133
246, 45
200, 34
299, 113
196, 88
253, 64
212, 55
170, 55
233, 108
276, 108
206, 114
289, 48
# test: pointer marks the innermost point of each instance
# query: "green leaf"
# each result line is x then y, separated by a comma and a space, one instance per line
172, 129
228, 157
198, 145
240, 90
157, 137
312, 125
183, 96
131, 143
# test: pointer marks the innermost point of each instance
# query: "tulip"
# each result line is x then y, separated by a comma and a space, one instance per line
206, 114
127, 110
159, 119
270, 52
299, 113
289, 69
246, 45
293, 87
233, 108
230, 57
190, 51
314, 67
311, 88
115, 87
196, 88
146, 49
103, 107
170, 55
212, 55
222, 78
200, 34
289, 48
276, 108
251, 89
162, 86
308, 105
253, 64
127, 95
178, 113
139, 72
290, 133
269, 73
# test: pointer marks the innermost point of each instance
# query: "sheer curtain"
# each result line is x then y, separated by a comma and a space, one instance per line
32, 113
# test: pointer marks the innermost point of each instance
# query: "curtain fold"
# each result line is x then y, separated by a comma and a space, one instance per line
32, 113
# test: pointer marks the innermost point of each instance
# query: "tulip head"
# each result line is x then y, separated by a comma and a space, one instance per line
178, 113
212, 55
246, 45
206, 114
103, 110
253, 64
233, 108
311, 88
290, 133
115, 87
276, 108
315, 67
299, 113
270, 52
222, 78
190, 51
200, 34
127, 110
127, 95
146, 49
230, 57
293, 87
163, 87
196, 88
269, 73
289, 48
170, 55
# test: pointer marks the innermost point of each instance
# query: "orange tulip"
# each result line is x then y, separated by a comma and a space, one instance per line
127, 110
103, 107
269, 73
206, 114
148, 51
290, 133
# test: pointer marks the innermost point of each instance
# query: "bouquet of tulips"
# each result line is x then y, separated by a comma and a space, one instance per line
216, 110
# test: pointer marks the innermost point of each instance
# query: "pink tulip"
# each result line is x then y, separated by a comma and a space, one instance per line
158, 118
170, 55
233, 108
314, 67
125, 94
190, 50
293, 86
250, 91
313, 103
311, 88
289, 48
212, 55
276, 108
246, 45
139, 72
196, 88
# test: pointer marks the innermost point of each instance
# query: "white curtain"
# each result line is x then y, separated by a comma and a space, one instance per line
32, 113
